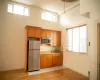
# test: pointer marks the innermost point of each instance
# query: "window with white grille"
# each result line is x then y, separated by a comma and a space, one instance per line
49, 16
18, 9
77, 39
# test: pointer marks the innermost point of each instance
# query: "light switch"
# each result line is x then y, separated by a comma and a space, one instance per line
89, 44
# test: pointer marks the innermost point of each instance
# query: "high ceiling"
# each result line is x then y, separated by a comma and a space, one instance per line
51, 5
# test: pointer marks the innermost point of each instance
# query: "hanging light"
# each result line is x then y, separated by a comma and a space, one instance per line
63, 19
64, 6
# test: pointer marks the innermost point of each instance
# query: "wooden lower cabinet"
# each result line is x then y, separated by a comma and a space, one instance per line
57, 59
51, 60
45, 60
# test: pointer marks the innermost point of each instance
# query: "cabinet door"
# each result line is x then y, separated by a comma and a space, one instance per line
30, 32
37, 32
53, 38
57, 59
48, 33
42, 64
43, 35
58, 38
46, 60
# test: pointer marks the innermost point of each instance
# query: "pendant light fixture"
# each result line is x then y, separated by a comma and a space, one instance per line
64, 6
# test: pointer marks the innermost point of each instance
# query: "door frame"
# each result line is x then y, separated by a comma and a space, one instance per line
98, 51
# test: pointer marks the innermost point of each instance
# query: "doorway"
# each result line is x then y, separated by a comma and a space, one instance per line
98, 51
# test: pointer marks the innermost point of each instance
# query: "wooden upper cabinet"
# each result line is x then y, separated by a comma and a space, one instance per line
53, 38
30, 32
33, 31
37, 32
48, 32
56, 38
44, 33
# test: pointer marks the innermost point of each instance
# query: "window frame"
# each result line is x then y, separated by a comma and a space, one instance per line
53, 14
79, 38
19, 5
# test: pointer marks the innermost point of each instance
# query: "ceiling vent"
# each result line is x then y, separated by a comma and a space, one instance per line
69, 0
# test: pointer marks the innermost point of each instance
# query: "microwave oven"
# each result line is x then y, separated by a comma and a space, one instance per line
46, 41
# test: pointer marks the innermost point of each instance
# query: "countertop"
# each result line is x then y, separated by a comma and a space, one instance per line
49, 52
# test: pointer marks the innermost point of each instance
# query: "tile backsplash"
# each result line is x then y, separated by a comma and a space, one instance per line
50, 48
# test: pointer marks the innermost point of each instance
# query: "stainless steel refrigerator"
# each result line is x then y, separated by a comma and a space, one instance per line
33, 54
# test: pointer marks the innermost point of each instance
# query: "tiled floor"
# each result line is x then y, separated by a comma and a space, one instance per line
62, 74
46, 70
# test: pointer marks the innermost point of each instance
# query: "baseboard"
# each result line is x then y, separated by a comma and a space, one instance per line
22, 69
74, 70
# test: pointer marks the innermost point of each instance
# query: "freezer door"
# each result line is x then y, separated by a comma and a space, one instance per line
34, 60
34, 44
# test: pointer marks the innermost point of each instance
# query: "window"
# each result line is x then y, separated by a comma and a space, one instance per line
77, 39
69, 40
49, 16
18, 9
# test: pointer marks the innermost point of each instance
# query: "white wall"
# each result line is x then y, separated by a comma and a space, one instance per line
87, 62
75, 61
94, 8
74, 18
12, 35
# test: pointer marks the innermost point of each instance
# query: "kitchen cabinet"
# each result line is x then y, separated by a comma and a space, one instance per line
53, 38
51, 60
56, 38
42, 61
37, 32
45, 60
46, 33
30, 32
57, 59
33, 31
